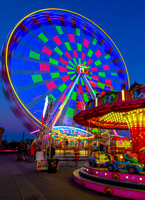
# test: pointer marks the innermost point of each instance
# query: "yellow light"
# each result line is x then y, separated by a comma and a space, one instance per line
96, 101
123, 95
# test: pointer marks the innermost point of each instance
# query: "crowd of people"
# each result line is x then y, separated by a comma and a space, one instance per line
25, 149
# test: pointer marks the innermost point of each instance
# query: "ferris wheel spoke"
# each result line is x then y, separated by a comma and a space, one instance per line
90, 87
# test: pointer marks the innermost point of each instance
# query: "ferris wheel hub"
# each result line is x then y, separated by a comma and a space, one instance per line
83, 69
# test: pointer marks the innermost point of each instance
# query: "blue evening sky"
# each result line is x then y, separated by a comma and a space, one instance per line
122, 20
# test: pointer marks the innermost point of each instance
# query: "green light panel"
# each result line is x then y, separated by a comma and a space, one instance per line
94, 41
70, 72
85, 97
82, 82
37, 78
79, 46
69, 67
74, 95
114, 74
62, 87
52, 61
98, 62
43, 37
75, 61
54, 75
59, 29
34, 55
89, 77
71, 63
77, 31
73, 77
52, 97
68, 46
102, 74
70, 112
101, 85
90, 52
107, 56
58, 51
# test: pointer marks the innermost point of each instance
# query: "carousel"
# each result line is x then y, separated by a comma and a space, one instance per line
122, 110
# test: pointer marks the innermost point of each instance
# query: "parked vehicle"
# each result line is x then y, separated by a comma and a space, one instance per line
98, 158
132, 168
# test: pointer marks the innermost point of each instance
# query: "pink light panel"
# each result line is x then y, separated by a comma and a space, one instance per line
86, 43
107, 81
68, 55
57, 40
50, 85
93, 84
89, 61
94, 69
44, 67
98, 53
75, 53
63, 61
80, 105
83, 56
106, 67
71, 38
80, 88
62, 69
95, 77
65, 78
62, 98
47, 51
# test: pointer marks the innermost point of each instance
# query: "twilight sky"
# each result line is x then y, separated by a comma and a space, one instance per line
122, 20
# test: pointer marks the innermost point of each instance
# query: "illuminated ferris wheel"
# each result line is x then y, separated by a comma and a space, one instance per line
62, 55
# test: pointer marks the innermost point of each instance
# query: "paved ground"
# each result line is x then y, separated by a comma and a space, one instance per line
20, 181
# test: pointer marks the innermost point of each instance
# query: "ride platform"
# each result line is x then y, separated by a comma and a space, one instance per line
116, 183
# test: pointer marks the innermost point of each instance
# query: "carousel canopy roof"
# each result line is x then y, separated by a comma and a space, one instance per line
112, 112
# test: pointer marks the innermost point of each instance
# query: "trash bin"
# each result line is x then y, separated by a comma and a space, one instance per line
53, 165
77, 155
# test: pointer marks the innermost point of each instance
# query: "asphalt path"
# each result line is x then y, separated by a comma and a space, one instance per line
20, 181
